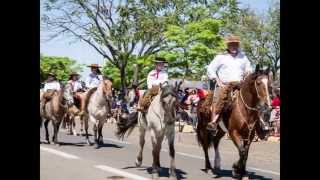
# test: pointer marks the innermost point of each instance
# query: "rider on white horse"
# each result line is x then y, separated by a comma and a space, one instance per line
227, 70
154, 79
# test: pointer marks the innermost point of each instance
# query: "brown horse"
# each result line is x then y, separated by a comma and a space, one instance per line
54, 111
240, 119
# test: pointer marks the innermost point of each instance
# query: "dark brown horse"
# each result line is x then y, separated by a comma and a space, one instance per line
240, 119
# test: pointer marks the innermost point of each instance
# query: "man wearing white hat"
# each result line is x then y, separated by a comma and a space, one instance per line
227, 70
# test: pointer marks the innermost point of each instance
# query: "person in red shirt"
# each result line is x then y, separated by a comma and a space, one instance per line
275, 118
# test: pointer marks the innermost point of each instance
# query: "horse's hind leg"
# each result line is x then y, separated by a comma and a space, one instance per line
217, 158
141, 143
46, 122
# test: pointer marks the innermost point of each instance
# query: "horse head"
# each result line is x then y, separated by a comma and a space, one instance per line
260, 81
107, 92
68, 95
168, 100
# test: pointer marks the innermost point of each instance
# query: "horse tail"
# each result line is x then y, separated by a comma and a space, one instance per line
204, 137
126, 125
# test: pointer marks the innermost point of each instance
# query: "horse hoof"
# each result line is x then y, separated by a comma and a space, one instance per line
216, 170
89, 143
97, 146
46, 141
173, 174
138, 163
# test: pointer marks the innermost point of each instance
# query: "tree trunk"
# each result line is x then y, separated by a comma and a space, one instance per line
123, 79
135, 74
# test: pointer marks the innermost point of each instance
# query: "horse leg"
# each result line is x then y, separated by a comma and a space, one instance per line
100, 137
217, 158
141, 143
74, 131
86, 127
46, 122
156, 146
170, 136
95, 130
238, 170
56, 125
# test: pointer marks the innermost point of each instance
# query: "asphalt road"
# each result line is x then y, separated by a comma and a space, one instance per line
74, 160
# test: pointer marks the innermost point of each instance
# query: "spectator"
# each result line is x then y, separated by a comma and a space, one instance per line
275, 113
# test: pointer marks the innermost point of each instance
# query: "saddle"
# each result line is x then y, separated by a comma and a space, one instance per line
147, 98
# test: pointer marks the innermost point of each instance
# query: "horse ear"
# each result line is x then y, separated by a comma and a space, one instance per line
257, 68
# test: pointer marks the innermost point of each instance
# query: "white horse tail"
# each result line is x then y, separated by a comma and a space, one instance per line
126, 124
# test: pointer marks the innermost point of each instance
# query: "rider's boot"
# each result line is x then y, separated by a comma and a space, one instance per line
212, 125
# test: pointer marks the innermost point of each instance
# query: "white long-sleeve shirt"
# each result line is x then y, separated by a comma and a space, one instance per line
93, 80
155, 78
76, 85
54, 85
229, 68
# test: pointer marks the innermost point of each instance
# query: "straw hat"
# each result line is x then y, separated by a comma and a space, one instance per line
94, 66
232, 39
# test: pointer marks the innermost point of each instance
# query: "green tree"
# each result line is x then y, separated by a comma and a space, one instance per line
191, 47
260, 35
61, 66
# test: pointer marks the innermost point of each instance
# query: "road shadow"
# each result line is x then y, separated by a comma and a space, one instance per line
81, 144
109, 145
164, 172
228, 173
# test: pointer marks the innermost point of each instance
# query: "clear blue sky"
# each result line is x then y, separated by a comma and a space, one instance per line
84, 54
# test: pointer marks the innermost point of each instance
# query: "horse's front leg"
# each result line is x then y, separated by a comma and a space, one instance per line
156, 139
95, 130
237, 166
46, 122
141, 143
56, 125
170, 136
100, 136
86, 127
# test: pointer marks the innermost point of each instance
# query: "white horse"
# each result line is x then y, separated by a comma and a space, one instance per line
160, 121
98, 110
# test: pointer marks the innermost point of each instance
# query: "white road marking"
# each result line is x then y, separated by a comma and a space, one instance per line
59, 153
117, 141
266, 171
120, 172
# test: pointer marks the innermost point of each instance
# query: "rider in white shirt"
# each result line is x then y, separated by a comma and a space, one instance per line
95, 77
155, 77
50, 87
51, 83
227, 70
158, 75
75, 83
